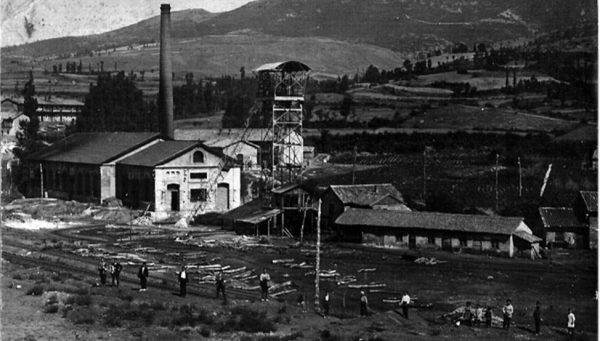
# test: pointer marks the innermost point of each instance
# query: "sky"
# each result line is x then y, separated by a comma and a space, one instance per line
59, 18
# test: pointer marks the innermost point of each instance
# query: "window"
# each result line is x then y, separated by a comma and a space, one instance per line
198, 194
198, 176
431, 240
463, 242
495, 244
198, 157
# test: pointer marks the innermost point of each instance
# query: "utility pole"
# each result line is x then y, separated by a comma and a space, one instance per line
318, 260
354, 164
497, 163
520, 177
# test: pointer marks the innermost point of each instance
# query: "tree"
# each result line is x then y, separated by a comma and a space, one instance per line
114, 103
407, 65
371, 75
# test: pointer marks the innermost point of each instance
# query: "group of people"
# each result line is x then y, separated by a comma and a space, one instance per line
478, 316
469, 317
113, 268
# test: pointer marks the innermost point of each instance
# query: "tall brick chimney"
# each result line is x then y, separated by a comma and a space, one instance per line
165, 94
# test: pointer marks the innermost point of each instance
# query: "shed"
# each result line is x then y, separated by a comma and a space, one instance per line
412, 230
563, 228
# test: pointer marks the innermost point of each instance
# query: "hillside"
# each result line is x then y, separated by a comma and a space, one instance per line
58, 18
225, 54
403, 26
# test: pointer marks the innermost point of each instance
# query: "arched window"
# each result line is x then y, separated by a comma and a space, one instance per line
198, 157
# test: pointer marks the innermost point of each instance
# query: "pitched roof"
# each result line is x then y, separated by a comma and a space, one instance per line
159, 153
223, 142
365, 194
93, 148
559, 217
528, 237
429, 221
590, 198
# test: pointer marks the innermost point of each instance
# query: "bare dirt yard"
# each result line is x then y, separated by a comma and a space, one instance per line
50, 288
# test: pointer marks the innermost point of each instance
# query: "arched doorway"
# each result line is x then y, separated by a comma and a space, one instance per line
173, 194
222, 197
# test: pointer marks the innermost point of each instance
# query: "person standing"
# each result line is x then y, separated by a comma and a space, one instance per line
571, 324
220, 284
264, 279
143, 276
404, 303
115, 272
507, 310
102, 272
488, 316
478, 315
183, 280
326, 304
537, 317
364, 303
468, 315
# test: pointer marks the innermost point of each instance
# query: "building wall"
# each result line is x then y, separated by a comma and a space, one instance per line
249, 153
195, 193
69, 181
401, 239
331, 208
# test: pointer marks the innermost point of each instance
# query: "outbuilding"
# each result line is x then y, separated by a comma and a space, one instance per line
414, 230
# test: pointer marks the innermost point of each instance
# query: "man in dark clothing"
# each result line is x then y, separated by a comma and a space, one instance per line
537, 317
183, 279
102, 272
468, 315
220, 284
364, 303
143, 275
115, 272
488, 316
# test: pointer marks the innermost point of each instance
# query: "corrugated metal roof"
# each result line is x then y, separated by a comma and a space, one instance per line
223, 142
559, 217
289, 66
93, 148
590, 198
429, 221
365, 194
159, 153
285, 188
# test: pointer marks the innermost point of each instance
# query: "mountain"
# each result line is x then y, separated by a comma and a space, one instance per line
57, 18
393, 29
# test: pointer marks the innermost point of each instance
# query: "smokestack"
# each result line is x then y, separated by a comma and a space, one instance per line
165, 96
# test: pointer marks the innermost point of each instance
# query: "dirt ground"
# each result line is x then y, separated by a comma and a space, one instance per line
568, 280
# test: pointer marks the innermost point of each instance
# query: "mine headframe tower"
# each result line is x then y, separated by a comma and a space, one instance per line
280, 102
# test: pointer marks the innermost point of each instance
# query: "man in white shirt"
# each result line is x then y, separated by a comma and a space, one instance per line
404, 303
264, 279
183, 279
571, 324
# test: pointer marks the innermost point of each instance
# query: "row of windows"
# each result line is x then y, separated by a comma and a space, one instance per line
477, 244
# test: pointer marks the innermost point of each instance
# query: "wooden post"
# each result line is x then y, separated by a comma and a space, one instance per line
269, 229
318, 260
520, 178
41, 181
424, 173
305, 208
354, 164
497, 165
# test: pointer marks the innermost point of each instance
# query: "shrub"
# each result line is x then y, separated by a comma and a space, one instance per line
81, 300
52, 299
18, 277
51, 309
36, 290
115, 315
205, 332
245, 319
189, 317
82, 315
